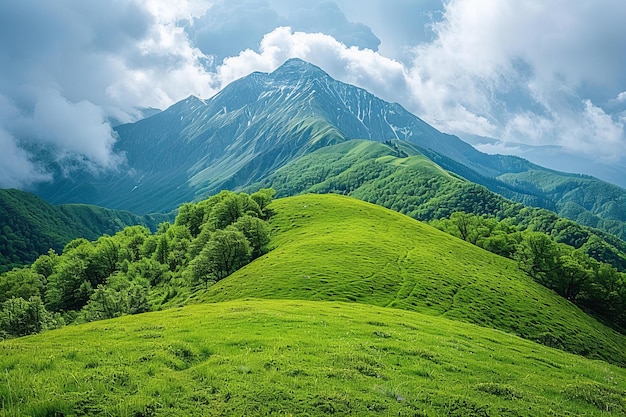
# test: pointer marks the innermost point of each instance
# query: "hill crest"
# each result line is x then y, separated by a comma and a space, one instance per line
336, 248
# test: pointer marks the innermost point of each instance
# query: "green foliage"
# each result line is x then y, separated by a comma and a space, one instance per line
398, 176
20, 317
372, 359
329, 247
226, 251
256, 231
20, 283
120, 296
263, 198
135, 270
583, 199
30, 227
570, 272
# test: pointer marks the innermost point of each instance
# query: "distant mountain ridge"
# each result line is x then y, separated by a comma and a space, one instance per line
263, 121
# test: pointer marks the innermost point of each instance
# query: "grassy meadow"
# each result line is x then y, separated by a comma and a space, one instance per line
356, 310
330, 247
273, 357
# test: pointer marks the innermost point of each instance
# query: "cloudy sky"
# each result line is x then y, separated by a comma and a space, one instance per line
544, 79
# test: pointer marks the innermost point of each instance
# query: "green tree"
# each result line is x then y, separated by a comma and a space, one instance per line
118, 297
256, 231
20, 317
574, 274
131, 239
45, 264
226, 251
161, 251
148, 268
178, 242
105, 259
538, 255
465, 223
68, 288
20, 282
191, 216
226, 211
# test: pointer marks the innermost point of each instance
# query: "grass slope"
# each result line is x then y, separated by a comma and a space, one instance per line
410, 180
330, 247
269, 357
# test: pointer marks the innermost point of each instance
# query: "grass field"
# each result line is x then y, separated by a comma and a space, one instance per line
357, 310
330, 247
269, 357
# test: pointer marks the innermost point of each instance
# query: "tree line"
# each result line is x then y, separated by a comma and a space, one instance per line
567, 268
135, 270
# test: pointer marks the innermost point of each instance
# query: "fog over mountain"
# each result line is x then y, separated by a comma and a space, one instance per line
527, 74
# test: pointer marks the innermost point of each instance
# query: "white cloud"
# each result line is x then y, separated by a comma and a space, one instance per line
16, 168
76, 128
534, 72
520, 71
231, 26
363, 67
591, 132
69, 66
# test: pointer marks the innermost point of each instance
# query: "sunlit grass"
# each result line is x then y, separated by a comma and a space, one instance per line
264, 357
357, 310
329, 247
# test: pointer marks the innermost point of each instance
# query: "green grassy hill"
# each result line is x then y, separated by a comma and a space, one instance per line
330, 247
357, 310
30, 226
297, 358
397, 175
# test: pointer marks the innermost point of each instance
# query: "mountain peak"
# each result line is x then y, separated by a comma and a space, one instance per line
298, 68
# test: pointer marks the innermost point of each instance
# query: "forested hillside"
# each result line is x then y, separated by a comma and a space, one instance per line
135, 270
30, 226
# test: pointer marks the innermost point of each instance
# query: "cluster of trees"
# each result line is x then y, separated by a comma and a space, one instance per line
136, 270
29, 226
566, 268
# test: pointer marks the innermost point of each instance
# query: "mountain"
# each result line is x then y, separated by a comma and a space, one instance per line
30, 226
261, 122
357, 310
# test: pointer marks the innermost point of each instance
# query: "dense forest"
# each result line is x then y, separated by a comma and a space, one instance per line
135, 270
29, 226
